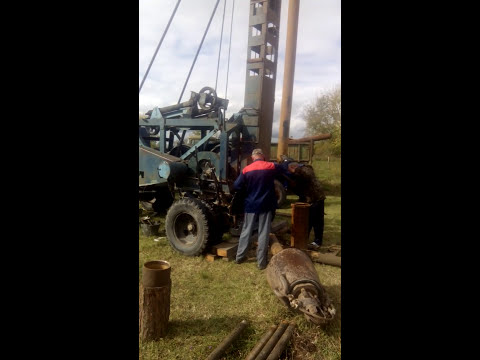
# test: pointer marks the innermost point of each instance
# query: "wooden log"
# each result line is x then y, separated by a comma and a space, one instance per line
261, 343
272, 341
275, 246
328, 259
278, 226
289, 215
220, 349
282, 343
154, 312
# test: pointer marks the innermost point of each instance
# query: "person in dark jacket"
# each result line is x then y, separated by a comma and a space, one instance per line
309, 190
257, 179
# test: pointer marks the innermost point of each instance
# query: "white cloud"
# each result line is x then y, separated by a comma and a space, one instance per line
318, 65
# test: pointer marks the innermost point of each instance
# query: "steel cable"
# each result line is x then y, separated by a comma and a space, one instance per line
196, 55
220, 47
229, 47
158, 46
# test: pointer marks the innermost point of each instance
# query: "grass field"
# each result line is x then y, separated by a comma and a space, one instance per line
209, 299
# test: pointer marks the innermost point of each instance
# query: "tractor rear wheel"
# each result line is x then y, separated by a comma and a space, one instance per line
187, 226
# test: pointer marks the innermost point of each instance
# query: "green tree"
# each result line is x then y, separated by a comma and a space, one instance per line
324, 116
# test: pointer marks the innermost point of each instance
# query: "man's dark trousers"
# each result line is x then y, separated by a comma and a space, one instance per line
316, 220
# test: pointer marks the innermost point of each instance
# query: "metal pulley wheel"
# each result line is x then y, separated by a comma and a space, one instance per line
207, 98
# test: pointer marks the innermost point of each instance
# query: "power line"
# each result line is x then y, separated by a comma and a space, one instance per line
195, 59
221, 37
229, 47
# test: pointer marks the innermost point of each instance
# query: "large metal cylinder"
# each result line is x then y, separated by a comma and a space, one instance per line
300, 223
172, 170
294, 280
156, 273
154, 302
288, 77
289, 267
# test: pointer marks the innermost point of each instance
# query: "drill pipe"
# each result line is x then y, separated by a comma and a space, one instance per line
310, 138
272, 341
261, 343
282, 343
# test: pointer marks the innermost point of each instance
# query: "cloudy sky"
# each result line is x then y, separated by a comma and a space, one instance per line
318, 64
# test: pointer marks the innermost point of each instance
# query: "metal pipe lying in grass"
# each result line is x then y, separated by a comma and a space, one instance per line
272, 341
217, 353
261, 343
282, 343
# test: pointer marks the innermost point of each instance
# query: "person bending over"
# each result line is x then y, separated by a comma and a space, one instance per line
309, 190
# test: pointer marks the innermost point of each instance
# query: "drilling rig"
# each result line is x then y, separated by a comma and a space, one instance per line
203, 174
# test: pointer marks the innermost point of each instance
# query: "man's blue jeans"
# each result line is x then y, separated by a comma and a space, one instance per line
264, 223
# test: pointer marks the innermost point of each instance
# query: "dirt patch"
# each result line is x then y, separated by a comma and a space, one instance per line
302, 347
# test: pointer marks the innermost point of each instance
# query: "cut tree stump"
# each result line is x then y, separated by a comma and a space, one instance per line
154, 312
154, 300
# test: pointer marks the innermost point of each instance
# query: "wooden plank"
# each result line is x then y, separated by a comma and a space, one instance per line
211, 257
225, 249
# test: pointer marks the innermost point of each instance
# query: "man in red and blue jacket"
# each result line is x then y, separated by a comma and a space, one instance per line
260, 204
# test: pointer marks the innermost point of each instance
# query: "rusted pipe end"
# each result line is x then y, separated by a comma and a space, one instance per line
156, 273
300, 205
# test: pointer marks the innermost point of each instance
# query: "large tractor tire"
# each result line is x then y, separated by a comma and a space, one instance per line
187, 226
280, 193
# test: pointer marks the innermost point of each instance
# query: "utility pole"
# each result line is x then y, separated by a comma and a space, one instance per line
288, 77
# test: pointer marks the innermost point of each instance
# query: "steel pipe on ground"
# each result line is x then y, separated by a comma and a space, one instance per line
261, 343
282, 343
272, 341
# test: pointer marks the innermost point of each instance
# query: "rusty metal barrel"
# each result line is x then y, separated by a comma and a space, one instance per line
156, 273
299, 231
154, 300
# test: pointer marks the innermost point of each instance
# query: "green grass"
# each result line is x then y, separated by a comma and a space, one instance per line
209, 299
329, 174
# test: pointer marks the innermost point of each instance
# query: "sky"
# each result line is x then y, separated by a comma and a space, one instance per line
317, 66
